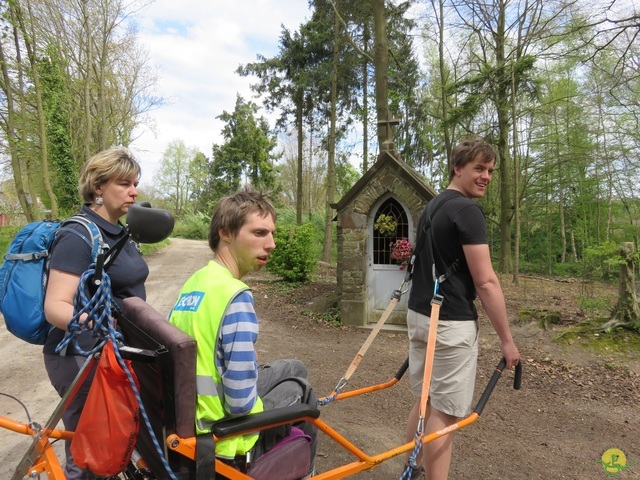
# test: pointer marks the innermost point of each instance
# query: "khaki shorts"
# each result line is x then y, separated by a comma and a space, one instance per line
454, 365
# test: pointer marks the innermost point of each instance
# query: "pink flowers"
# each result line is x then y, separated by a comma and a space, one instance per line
401, 251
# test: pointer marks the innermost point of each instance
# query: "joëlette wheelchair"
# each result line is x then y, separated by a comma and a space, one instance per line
164, 360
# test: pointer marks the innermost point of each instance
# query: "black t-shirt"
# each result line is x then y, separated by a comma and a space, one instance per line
458, 221
70, 253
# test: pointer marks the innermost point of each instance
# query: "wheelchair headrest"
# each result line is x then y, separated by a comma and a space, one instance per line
147, 224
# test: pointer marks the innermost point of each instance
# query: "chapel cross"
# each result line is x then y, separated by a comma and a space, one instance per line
387, 144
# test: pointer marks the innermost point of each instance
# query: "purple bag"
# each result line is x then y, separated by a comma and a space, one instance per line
289, 459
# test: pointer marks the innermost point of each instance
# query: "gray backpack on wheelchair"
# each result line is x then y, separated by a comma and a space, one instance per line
281, 384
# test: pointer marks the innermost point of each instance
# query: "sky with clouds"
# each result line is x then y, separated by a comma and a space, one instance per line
196, 46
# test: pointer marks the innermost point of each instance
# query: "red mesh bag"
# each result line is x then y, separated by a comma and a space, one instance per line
108, 426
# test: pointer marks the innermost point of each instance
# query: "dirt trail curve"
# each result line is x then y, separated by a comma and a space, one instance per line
572, 408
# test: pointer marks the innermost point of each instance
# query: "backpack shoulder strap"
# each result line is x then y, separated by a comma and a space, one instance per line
95, 240
425, 224
433, 248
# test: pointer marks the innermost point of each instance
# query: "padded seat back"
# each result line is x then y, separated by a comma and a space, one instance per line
182, 352
167, 383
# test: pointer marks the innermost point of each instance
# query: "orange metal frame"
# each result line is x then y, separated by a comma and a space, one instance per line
187, 446
47, 462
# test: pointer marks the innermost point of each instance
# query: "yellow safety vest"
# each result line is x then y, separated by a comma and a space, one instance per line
199, 312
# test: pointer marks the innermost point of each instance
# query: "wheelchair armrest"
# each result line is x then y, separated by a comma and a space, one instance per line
268, 418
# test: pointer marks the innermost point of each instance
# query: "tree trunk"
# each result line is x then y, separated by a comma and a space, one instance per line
506, 178
87, 83
12, 139
572, 240
381, 67
310, 170
331, 175
516, 183
28, 32
548, 217
22, 148
561, 193
448, 144
300, 155
627, 311
365, 101
561, 212
101, 104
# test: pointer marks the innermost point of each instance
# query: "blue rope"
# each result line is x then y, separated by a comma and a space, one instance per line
330, 398
98, 310
100, 322
412, 463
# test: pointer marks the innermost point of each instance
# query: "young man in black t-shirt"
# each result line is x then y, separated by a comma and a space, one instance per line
459, 237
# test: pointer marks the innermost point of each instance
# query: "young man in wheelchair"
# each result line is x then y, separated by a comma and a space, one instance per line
216, 308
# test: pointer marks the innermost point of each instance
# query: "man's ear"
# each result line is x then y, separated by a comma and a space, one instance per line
225, 235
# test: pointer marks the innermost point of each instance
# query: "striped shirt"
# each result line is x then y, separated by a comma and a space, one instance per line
236, 357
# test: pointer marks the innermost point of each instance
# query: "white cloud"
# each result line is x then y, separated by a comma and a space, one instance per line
197, 46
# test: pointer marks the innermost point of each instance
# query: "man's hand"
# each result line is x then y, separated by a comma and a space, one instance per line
510, 353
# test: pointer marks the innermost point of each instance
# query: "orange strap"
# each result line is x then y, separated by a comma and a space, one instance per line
356, 361
428, 364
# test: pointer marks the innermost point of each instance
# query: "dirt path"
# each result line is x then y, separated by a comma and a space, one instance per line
572, 407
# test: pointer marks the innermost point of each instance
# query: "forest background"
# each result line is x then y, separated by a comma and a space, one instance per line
553, 84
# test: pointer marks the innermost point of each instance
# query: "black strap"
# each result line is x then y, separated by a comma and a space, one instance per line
423, 222
205, 457
111, 254
106, 258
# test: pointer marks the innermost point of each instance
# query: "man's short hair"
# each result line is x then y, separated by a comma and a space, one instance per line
468, 150
231, 212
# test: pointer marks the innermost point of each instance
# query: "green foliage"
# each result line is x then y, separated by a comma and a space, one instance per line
569, 269
594, 306
287, 216
293, 258
177, 177
280, 287
149, 248
603, 261
56, 106
6, 235
248, 152
199, 172
331, 317
619, 340
346, 175
193, 225
386, 225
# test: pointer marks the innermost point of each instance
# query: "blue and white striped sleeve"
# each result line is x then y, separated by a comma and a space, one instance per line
236, 357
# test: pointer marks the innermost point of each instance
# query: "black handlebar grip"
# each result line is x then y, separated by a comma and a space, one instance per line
501, 364
517, 379
401, 371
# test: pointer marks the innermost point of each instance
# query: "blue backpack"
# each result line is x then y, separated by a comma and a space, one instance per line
23, 275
